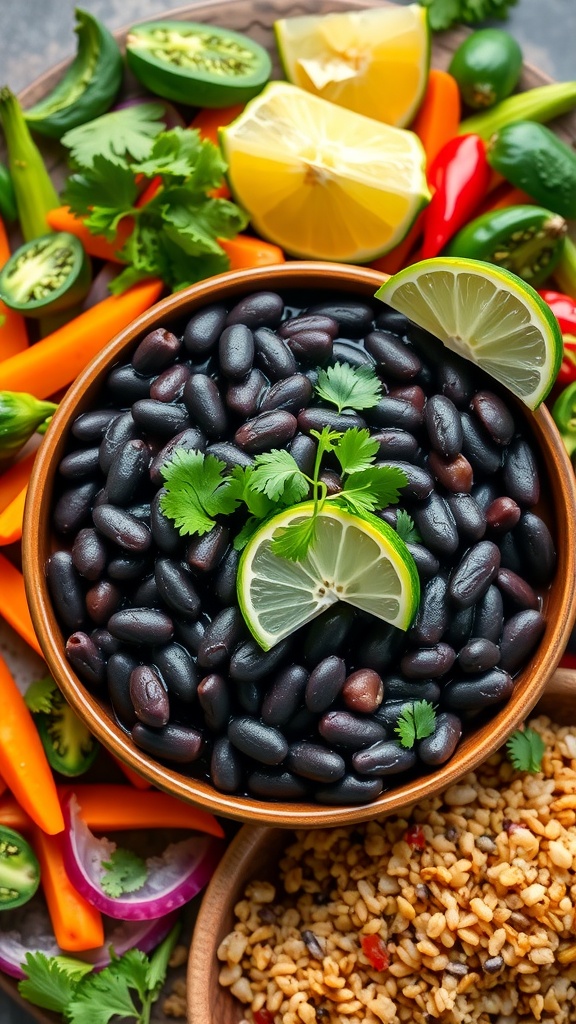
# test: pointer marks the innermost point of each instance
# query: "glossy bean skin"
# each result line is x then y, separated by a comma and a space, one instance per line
246, 397
439, 747
215, 701
284, 695
349, 352
141, 626
204, 403
388, 757
328, 633
178, 671
455, 474
315, 418
225, 767
484, 493
277, 785
460, 626
303, 451
126, 385
520, 473
350, 790
190, 634
169, 385
230, 454
118, 671
363, 691
225, 579
311, 346
470, 522
273, 355
517, 590
388, 319
305, 322
236, 351
426, 563
81, 464
173, 742
478, 655
268, 430
149, 697
86, 659
160, 418
74, 506
315, 762
428, 662
379, 646
157, 350
489, 615
91, 426
537, 549
395, 412
164, 532
250, 663
146, 594
191, 440
123, 529
204, 329
472, 695
254, 739
398, 689
419, 483
502, 515
397, 359
291, 394
260, 309
204, 553
511, 556
483, 455
127, 567
454, 379
121, 429
105, 642
102, 600
89, 553
436, 525
395, 444
389, 713
354, 318
343, 729
221, 637
494, 416
128, 469
432, 617
176, 586
520, 636
249, 696
444, 426
65, 589
474, 574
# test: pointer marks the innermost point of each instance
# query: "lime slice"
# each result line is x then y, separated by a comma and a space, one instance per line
485, 314
321, 181
374, 61
358, 560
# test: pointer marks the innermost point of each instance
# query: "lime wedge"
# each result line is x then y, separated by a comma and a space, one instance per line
358, 560
485, 314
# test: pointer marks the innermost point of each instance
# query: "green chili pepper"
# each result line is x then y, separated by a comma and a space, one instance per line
46, 276
33, 188
89, 86
20, 416
8, 208
564, 415
69, 746
565, 273
19, 870
540, 104
487, 66
534, 159
527, 240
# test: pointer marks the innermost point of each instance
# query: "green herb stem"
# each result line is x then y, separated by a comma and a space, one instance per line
35, 194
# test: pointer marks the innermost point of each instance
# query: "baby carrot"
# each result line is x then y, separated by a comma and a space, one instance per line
13, 603
13, 334
23, 763
11, 519
439, 115
244, 251
12, 480
62, 219
55, 361
77, 924
106, 807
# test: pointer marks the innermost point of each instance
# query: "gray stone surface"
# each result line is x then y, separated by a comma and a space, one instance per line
36, 34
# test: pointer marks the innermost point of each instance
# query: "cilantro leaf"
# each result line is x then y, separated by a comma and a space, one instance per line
124, 872
349, 387
39, 696
416, 722
116, 135
405, 528
277, 475
373, 488
47, 983
355, 450
196, 223
182, 153
293, 541
327, 439
443, 14
101, 197
241, 487
250, 526
196, 492
158, 966
525, 749
106, 995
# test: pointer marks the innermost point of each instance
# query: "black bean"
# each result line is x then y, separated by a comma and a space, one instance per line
157, 349
141, 626
315, 418
117, 525
460, 626
225, 767
215, 701
149, 697
129, 466
395, 444
520, 473
354, 318
537, 549
146, 594
468, 516
394, 412
191, 440
436, 525
443, 425
311, 346
256, 740
455, 475
389, 712
79, 465
102, 600
105, 642
277, 785
332, 481
343, 729
426, 563
291, 394
221, 637
273, 355
204, 328
118, 671
511, 555
236, 351
65, 589
350, 790
246, 396
432, 616
260, 309
419, 484
492, 687
173, 742
441, 744
502, 515
205, 553
249, 696
122, 429
74, 506
454, 377
474, 574
483, 455
169, 385
127, 567
164, 532
389, 319
302, 725
517, 590
411, 393
379, 646
489, 616
303, 451
204, 403
388, 757
397, 359
328, 633
268, 430
398, 689
86, 658
178, 671
478, 655
284, 695
160, 418
352, 353
89, 553
176, 585
494, 416
428, 662
190, 633
230, 455
140, 511
302, 322
250, 662
91, 426
388, 515
126, 385
484, 494
224, 581
363, 691
315, 762
520, 636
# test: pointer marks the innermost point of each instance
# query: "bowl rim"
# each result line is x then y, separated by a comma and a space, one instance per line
476, 748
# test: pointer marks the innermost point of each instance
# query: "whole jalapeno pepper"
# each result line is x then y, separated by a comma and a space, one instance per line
531, 157
88, 87
460, 175
527, 240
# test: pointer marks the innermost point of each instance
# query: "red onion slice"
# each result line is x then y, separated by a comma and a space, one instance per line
174, 878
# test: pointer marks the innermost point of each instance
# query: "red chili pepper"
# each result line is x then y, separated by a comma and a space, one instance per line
263, 1017
375, 950
460, 175
415, 837
564, 309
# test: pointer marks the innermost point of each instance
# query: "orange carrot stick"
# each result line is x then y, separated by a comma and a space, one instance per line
245, 251
55, 361
13, 334
398, 256
12, 480
439, 115
107, 807
136, 780
13, 816
11, 519
62, 219
13, 603
23, 763
3, 786
77, 924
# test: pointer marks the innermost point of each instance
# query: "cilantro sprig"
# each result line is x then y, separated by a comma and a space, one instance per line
444, 14
349, 387
124, 872
416, 722
525, 749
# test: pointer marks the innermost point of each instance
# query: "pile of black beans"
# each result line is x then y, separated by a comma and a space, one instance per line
153, 616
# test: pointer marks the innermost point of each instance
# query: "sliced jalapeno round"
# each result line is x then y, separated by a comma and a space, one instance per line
69, 746
46, 275
19, 869
201, 65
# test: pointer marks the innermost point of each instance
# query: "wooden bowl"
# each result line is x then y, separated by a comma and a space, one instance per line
254, 854
38, 542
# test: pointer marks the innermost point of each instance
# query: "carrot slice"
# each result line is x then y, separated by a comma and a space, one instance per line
14, 479
23, 763
77, 924
13, 333
439, 115
13, 603
62, 219
107, 807
245, 251
11, 519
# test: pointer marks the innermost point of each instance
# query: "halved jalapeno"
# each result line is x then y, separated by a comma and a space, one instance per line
19, 869
47, 275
